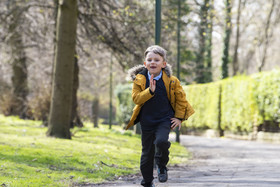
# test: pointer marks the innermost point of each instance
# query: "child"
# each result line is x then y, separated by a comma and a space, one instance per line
161, 105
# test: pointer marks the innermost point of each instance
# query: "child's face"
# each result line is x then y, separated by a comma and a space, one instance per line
154, 63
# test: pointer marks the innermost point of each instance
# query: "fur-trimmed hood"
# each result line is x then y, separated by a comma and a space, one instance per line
137, 69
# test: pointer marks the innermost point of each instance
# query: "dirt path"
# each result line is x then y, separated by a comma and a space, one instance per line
221, 162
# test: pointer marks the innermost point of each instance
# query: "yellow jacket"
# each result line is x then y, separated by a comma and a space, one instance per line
175, 93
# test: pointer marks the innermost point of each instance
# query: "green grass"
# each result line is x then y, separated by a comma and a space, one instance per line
29, 158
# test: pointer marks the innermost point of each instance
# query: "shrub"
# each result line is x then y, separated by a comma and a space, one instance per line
267, 95
125, 104
40, 103
239, 110
204, 99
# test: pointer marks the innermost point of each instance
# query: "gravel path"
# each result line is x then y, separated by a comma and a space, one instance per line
220, 162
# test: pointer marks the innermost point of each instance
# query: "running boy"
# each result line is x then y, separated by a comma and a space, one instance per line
161, 105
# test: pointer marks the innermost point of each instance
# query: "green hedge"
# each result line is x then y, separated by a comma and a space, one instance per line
239, 110
267, 95
204, 99
246, 101
235, 104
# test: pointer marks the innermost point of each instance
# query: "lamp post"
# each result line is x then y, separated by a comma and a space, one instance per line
178, 56
158, 22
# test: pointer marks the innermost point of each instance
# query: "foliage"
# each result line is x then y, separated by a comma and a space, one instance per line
246, 101
116, 24
200, 69
225, 58
187, 62
125, 104
238, 105
40, 104
204, 99
6, 101
267, 95
92, 156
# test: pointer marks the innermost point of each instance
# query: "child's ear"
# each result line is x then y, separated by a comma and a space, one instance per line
164, 64
145, 64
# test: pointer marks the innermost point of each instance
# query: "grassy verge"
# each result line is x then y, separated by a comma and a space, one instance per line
29, 158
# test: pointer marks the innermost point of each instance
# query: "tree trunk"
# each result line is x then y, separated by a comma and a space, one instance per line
62, 86
19, 104
208, 72
235, 56
200, 57
75, 118
267, 36
95, 111
225, 59
55, 12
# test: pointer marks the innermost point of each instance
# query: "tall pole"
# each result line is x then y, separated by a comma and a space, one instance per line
158, 22
178, 40
178, 56
111, 93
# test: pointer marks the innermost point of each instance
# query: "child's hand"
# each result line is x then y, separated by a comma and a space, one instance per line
175, 123
152, 83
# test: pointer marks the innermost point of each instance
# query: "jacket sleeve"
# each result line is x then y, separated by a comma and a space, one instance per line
140, 96
183, 110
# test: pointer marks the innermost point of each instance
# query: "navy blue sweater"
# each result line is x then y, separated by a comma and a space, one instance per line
156, 110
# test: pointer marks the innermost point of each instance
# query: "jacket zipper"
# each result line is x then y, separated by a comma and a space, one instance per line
170, 90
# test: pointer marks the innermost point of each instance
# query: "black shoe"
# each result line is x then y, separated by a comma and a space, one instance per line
151, 184
162, 174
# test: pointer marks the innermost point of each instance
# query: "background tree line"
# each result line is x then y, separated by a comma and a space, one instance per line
218, 39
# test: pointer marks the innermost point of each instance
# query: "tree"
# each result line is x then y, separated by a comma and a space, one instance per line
95, 111
268, 35
75, 117
235, 56
24, 42
209, 30
200, 56
116, 25
225, 58
60, 112
18, 105
172, 18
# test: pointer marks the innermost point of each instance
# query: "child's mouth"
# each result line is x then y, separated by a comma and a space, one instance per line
153, 67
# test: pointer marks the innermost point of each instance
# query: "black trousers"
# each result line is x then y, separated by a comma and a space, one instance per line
155, 146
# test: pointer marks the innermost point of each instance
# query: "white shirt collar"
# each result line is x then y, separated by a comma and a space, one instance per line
155, 78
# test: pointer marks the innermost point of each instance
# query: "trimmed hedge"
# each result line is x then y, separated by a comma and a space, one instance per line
204, 99
237, 104
239, 110
246, 102
267, 95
